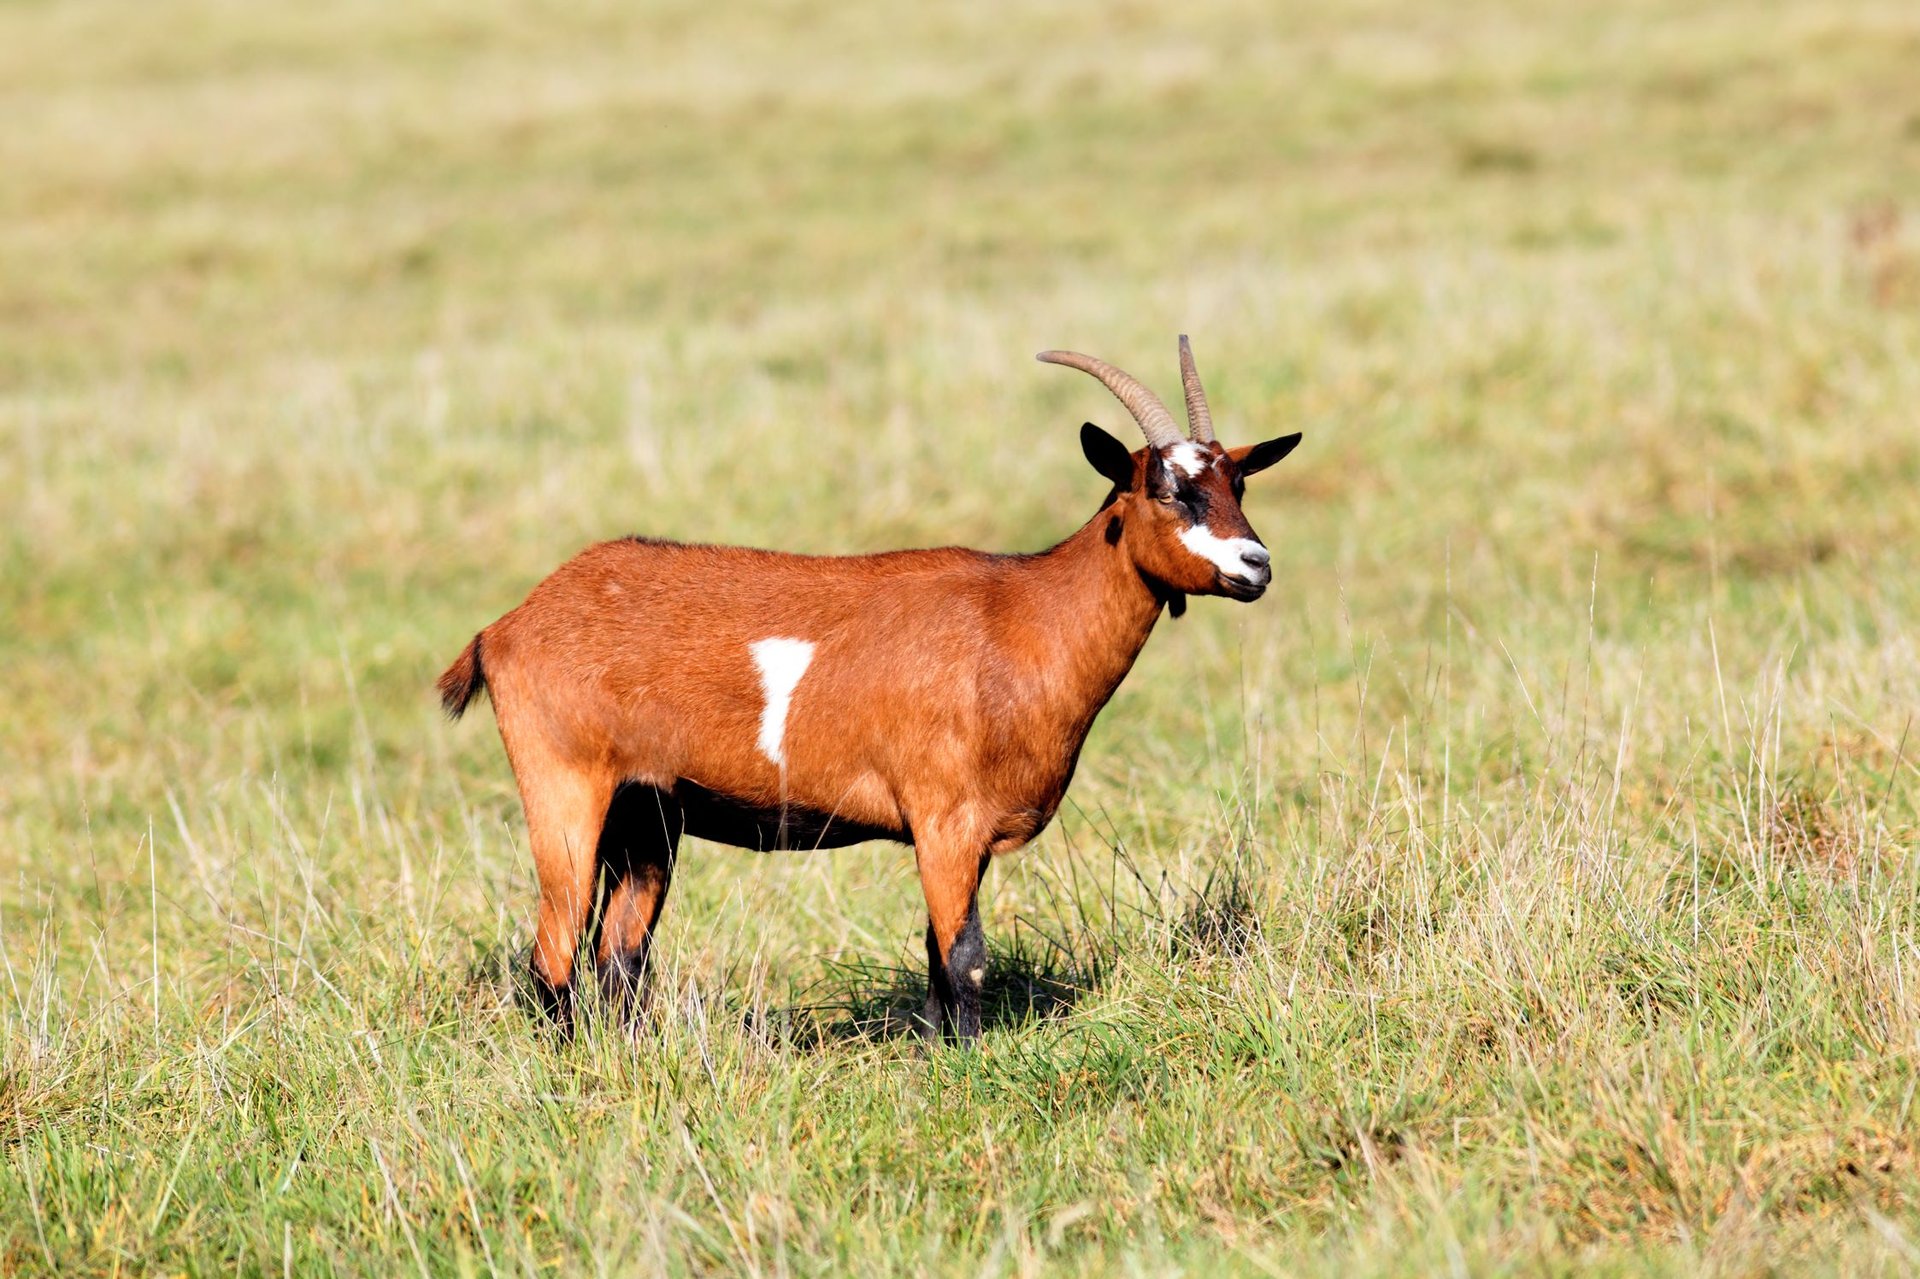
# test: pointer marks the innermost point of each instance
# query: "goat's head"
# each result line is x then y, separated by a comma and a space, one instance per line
1175, 505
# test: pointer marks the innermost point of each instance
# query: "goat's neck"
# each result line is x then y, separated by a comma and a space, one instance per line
1088, 615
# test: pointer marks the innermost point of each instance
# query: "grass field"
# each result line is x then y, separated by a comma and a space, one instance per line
1528, 883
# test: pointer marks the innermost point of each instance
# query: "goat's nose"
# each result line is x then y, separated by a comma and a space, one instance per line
1256, 555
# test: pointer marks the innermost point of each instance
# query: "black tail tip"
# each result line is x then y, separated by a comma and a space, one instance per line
461, 681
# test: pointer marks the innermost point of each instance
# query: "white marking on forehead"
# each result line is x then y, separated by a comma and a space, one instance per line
1189, 457
782, 662
1233, 556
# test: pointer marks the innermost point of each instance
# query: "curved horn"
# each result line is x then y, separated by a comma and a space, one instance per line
1145, 406
1199, 419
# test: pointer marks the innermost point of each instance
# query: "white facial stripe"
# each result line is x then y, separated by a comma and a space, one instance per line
1189, 457
1228, 554
782, 662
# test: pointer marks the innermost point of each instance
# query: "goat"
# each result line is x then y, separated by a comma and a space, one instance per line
648, 690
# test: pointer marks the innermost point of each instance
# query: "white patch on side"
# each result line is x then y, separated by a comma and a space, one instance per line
1189, 457
782, 662
1228, 554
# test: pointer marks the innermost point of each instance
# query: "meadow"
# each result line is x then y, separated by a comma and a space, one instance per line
1528, 884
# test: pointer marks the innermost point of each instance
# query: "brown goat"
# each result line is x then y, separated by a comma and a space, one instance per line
940, 698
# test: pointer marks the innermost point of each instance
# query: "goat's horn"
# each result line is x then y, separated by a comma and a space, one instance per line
1199, 419
1145, 406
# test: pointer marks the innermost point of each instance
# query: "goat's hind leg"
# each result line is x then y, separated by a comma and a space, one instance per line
637, 849
566, 809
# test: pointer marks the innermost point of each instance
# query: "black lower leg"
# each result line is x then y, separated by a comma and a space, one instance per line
623, 982
966, 973
555, 1001
933, 1018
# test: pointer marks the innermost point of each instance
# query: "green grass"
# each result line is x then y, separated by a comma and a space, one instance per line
1527, 884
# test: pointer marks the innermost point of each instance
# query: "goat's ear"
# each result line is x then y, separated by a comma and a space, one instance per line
1108, 455
1250, 458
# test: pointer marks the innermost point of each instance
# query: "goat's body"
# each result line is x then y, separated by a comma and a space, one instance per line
635, 660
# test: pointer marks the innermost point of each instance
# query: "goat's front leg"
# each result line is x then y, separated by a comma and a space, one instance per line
950, 871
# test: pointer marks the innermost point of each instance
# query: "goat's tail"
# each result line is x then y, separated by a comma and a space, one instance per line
462, 680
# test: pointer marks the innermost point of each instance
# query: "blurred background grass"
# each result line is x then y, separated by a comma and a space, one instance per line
1527, 881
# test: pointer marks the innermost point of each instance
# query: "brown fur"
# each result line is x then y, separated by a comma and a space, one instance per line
945, 705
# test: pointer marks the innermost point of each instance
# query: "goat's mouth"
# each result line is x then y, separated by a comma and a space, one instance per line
1243, 589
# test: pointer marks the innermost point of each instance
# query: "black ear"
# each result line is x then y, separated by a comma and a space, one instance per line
1260, 456
1108, 455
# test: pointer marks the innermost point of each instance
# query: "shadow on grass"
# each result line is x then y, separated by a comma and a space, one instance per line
854, 1001
868, 1002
